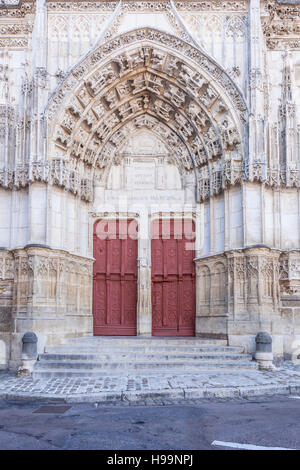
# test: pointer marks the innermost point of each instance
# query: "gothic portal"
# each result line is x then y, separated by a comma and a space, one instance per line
149, 170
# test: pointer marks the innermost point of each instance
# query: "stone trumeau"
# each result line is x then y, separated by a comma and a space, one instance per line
147, 111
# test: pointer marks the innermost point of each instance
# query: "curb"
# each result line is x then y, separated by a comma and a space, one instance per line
173, 394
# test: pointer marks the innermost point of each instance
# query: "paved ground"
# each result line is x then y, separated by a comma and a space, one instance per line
268, 422
285, 380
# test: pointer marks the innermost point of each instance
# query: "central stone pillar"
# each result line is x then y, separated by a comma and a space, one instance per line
144, 307
144, 304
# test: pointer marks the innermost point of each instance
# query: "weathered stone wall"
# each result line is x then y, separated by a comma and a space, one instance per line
6, 303
289, 280
46, 291
245, 291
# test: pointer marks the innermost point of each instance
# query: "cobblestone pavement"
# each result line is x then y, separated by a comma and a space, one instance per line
230, 384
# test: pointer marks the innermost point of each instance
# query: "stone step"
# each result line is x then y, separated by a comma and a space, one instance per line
147, 349
134, 340
141, 369
130, 356
145, 365
139, 356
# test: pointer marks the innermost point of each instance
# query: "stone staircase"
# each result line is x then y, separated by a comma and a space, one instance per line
138, 356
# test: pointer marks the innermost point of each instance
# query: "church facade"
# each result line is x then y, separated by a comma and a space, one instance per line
149, 171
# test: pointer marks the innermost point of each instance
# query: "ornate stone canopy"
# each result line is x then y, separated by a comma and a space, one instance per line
147, 79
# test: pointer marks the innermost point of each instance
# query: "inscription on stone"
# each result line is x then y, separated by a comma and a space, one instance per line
144, 176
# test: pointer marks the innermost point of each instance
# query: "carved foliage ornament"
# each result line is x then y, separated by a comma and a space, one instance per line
154, 5
216, 5
57, 172
146, 80
282, 26
14, 11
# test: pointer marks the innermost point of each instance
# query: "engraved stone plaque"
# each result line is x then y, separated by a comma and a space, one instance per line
144, 175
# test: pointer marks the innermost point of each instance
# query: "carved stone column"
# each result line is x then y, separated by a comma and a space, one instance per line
237, 293
144, 305
190, 188
257, 152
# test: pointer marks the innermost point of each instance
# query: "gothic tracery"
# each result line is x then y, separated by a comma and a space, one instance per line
157, 83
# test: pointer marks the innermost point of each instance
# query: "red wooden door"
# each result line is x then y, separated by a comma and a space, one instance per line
115, 279
173, 278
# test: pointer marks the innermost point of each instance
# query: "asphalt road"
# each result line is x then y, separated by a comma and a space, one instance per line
269, 422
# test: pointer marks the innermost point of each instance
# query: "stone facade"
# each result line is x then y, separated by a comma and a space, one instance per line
146, 110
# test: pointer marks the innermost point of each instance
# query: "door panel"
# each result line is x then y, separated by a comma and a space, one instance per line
173, 279
115, 282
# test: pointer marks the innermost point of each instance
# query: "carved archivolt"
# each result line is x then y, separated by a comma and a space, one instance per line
192, 103
200, 62
112, 151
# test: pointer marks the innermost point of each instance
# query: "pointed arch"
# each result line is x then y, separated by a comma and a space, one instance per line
177, 152
147, 74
